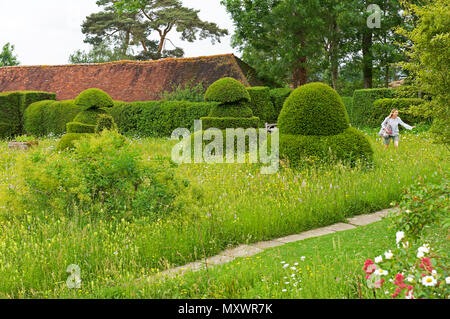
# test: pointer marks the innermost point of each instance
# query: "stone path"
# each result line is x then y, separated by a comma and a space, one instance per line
251, 250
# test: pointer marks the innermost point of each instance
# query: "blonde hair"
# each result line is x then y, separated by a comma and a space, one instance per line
392, 113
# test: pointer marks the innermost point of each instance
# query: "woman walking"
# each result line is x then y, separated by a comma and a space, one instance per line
389, 129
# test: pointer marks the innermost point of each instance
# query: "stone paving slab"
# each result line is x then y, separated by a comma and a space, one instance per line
340, 227
309, 234
219, 260
242, 251
267, 244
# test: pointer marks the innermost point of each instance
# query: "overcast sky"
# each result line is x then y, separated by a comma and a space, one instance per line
46, 32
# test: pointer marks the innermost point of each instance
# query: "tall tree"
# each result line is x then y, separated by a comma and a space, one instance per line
164, 16
7, 57
278, 35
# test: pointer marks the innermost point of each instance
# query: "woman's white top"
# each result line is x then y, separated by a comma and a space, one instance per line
394, 125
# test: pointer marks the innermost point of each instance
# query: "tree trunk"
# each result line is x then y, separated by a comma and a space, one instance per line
300, 74
367, 59
161, 44
334, 58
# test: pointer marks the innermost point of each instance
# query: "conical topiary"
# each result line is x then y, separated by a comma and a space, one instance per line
232, 110
314, 127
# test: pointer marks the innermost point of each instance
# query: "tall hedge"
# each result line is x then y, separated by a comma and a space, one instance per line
262, 105
157, 118
49, 117
278, 97
383, 107
362, 111
12, 109
348, 102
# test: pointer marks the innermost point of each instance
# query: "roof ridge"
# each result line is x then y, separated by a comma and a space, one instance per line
118, 62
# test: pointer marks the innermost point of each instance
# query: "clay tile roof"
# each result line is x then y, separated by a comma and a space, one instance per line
126, 80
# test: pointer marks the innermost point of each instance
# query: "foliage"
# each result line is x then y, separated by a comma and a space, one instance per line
239, 109
104, 176
223, 123
99, 53
348, 102
157, 118
67, 142
363, 108
383, 107
164, 16
278, 96
428, 49
261, 104
227, 90
105, 122
190, 93
313, 109
90, 116
7, 57
49, 117
348, 147
77, 127
94, 99
13, 106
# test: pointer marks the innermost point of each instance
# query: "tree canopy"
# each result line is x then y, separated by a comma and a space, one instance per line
7, 56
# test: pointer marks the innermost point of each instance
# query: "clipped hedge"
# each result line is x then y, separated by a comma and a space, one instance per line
362, 111
67, 141
261, 104
158, 118
347, 147
89, 116
383, 107
313, 109
49, 117
223, 123
278, 97
77, 127
94, 99
240, 109
13, 106
226, 90
105, 122
348, 102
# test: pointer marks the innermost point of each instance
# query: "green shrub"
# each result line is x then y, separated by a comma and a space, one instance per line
59, 114
105, 176
227, 90
238, 109
67, 141
189, 93
406, 92
13, 106
383, 107
223, 123
49, 117
313, 109
348, 102
76, 127
36, 118
89, 116
94, 99
157, 118
348, 147
363, 105
105, 122
5, 130
278, 97
261, 104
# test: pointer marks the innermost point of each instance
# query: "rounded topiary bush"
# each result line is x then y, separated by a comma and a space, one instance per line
348, 147
313, 109
94, 99
67, 141
35, 117
227, 90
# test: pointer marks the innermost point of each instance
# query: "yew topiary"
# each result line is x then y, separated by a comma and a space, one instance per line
94, 99
227, 90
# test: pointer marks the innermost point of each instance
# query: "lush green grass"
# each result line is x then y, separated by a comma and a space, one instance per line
237, 205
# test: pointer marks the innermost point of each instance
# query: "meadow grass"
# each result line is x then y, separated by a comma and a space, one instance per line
229, 205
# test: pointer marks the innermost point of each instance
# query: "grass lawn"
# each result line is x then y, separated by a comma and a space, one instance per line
227, 205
